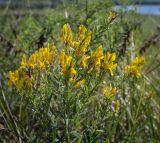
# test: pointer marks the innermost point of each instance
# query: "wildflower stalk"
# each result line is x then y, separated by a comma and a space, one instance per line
140, 102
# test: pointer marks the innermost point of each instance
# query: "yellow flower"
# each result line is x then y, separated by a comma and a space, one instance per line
80, 51
52, 53
66, 34
81, 33
81, 48
68, 59
80, 83
12, 78
83, 37
32, 61
108, 91
72, 72
95, 58
83, 61
138, 61
108, 62
98, 55
41, 65
82, 30
135, 67
64, 61
87, 40
67, 66
46, 56
24, 61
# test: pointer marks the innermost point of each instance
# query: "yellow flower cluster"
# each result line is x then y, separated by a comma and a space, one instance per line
67, 66
96, 58
108, 63
75, 59
81, 41
109, 91
66, 34
39, 60
135, 67
78, 55
20, 78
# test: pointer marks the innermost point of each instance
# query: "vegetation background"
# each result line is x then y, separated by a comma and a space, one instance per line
27, 26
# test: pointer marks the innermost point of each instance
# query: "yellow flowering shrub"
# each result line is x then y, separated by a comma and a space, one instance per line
83, 88
77, 85
76, 64
76, 61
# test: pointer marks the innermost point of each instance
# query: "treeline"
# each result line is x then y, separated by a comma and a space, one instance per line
53, 3
29, 3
